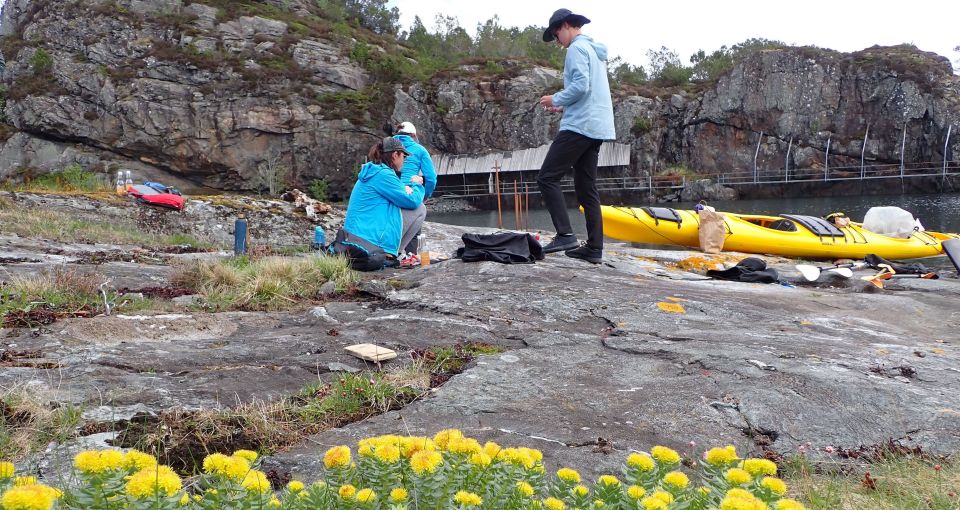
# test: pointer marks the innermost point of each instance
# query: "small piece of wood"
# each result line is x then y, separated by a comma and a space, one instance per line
371, 352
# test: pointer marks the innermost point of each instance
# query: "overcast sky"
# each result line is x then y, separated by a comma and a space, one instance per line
630, 27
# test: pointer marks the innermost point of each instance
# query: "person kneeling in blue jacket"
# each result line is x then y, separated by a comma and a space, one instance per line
374, 227
420, 164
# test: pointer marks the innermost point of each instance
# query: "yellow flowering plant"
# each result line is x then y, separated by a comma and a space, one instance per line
445, 472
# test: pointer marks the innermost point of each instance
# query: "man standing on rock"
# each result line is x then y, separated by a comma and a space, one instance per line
587, 121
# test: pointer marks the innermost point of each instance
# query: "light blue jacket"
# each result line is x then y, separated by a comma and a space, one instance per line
585, 98
416, 163
374, 209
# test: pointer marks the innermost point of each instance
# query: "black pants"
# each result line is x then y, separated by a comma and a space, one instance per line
573, 150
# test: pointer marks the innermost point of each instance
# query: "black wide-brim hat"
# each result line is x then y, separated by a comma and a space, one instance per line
559, 17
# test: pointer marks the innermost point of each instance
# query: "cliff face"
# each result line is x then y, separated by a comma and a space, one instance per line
190, 90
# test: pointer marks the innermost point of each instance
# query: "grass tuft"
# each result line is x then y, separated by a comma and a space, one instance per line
269, 283
886, 482
28, 421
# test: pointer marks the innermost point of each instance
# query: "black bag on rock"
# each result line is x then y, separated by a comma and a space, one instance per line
750, 269
502, 247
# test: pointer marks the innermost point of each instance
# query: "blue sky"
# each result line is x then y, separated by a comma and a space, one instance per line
630, 28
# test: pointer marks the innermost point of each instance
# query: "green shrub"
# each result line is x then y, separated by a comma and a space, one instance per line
641, 125
72, 178
41, 62
318, 189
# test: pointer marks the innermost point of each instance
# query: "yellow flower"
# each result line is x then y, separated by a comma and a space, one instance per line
425, 462
554, 504
7, 470
337, 457
24, 480
676, 479
136, 460
641, 461
635, 492
491, 448
740, 499
464, 445
347, 491
598, 503
150, 482
256, 481
467, 498
185, 499
366, 496
652, 503
443, 438
757, 467
93, 461
411, 445
295, 486
568, 475
580, 491
480, 459
525, 488
398, 495
29, 497
789, 504
608, 480
388, 454
775, 485
664, 496
721, 456
274, 502
665, 455
250, 456
234, 468
533, 453
737, 476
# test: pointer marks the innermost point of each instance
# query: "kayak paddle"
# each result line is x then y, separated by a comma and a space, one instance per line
878, 278
812, 273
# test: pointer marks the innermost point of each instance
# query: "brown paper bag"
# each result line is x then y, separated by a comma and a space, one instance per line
712, 231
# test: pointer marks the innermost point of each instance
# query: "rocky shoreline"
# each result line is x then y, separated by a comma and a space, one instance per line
638, 351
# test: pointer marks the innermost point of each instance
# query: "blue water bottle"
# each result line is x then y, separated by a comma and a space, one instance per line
319, 238
240, 237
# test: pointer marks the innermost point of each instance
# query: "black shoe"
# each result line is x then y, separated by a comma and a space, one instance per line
561, 243
591, 255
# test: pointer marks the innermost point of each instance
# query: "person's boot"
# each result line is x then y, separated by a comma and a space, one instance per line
560, 243
591, 255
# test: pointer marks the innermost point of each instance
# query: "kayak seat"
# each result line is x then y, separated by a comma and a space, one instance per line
818, 226
783, 225
663, 213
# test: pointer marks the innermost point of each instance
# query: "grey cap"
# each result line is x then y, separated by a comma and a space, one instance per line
391, 144
559, 16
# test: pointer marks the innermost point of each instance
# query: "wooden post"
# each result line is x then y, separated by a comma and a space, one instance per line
516, 204
526, 201
499, 209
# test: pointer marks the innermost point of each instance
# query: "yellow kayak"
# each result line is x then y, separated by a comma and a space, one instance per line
787, 235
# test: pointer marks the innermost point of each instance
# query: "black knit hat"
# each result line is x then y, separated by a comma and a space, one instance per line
559, 17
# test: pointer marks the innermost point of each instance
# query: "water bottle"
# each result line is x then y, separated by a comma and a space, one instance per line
240, 236
129, 182
424, 252
319, 238
121, 189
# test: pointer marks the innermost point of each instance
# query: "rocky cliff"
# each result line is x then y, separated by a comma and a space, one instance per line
223, 96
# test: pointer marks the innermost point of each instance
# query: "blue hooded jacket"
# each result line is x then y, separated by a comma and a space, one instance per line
585, 98
373, 212
418, 162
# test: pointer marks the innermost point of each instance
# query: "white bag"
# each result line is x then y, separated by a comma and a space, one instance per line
889, 221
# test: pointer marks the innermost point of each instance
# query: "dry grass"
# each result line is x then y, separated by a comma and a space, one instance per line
890, 482
32, 222
269, 283
28, 421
